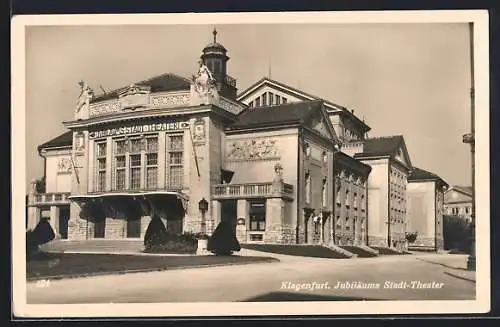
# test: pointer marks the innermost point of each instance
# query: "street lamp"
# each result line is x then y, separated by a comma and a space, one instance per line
469, 138
203, 207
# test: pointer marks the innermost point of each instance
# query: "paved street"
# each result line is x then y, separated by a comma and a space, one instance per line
272, 282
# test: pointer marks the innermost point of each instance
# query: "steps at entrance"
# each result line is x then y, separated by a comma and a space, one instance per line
303, 250
104, 246
361, 251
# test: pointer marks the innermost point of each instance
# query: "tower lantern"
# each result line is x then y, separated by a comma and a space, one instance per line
215, 58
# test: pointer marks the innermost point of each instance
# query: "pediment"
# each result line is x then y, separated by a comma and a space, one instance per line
321, 123
402, 156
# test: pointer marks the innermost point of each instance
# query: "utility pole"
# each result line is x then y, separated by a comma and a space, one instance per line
470, 139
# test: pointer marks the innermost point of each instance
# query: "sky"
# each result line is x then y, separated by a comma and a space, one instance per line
409, 79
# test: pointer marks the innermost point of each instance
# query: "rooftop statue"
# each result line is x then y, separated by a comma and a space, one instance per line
204, 82
86, 94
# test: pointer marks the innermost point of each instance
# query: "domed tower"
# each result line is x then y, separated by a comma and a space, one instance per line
215, 58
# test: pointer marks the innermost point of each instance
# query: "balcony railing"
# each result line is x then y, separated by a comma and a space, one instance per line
253, 190
50, 198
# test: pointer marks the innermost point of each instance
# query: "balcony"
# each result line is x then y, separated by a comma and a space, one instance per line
50, 199
253, 190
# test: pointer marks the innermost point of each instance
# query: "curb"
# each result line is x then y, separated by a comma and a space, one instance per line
460, 277
111, 273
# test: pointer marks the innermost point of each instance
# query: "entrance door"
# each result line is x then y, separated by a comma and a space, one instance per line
99, 228
134, 228
229, 212
63, 222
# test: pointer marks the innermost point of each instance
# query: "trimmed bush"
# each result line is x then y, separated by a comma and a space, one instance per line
223, 240
156, 233
172, 242
41, 234
411, 237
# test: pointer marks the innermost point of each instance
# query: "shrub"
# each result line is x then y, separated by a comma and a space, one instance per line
41, 234
156, 233
223, 240
411, 237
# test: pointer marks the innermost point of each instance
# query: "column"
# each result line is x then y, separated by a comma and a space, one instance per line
109, 162
274, 220
242, 213
33, 217
54, 219
216, 215
161, 160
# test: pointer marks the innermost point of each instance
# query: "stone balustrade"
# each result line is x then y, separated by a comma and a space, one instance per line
253, 190
50, 199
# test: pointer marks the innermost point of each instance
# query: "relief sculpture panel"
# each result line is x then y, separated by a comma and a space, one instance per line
265, 149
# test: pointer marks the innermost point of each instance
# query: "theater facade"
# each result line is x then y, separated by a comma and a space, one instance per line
281, 165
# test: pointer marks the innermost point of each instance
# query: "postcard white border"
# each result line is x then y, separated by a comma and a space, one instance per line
18, 122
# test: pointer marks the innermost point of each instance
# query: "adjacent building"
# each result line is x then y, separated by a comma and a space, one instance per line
458, 202
425, 209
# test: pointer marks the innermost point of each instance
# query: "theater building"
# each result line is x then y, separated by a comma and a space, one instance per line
282, 165
425, 192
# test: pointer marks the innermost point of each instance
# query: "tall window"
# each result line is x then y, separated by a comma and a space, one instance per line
257, 213
250, 105
101, 166
264, 99
308, 187
257, 102
151, 162
175, 161
363, 202
284, 100
120, 164
135, 164
277, 99
271, 98
324, 193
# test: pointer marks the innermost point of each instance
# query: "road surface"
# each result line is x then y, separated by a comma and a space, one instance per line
409, 277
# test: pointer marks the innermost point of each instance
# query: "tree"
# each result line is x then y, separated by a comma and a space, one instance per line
223, 241
40, 185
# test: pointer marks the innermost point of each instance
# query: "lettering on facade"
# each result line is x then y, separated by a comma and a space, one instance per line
149, 128
253, 150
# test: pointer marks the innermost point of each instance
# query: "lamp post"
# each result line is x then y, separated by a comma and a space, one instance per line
203, 207
469, 138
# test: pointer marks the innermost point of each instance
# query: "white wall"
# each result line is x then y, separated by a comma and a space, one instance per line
58, 172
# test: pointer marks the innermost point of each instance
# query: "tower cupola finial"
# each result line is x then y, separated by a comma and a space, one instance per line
215, 35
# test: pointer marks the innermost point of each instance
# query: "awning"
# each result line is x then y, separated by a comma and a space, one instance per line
153, 199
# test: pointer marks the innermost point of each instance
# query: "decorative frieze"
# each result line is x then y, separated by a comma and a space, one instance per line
265, 149
170, 100
104, 108
230, 106
64, 166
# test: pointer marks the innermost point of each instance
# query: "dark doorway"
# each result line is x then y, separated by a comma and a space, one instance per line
63, 222
133, 228
99, 228
229, 212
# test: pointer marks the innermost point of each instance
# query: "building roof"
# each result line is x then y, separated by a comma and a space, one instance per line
65, 139
380, 146
419, 174
294, 112
160, 83
463, 189
343, 160
343, 110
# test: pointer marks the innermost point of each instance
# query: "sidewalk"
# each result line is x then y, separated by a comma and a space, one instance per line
462, 274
